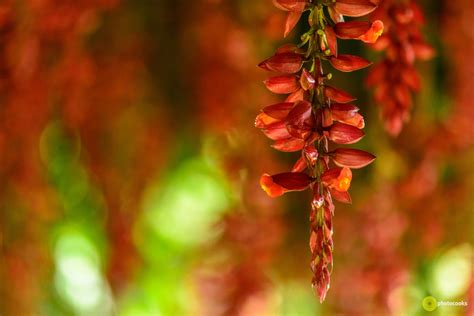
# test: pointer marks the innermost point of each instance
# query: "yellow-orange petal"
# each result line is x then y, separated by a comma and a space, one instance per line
373, 33
271, 188
344, 180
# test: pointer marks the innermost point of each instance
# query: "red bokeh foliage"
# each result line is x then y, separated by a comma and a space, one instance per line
395, 78
49, 72
233, 280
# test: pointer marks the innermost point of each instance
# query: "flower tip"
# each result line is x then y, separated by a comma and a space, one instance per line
344, 180
344, 184
271, 188
375, 31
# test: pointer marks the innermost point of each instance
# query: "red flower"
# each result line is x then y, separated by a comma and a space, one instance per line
361, 30
394, 78
315, 113
337, 178
280, 183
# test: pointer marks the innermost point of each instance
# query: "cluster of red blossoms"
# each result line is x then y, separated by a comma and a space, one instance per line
395, 78
315, 113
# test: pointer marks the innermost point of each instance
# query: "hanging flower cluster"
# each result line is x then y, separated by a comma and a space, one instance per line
315, 113
395, 78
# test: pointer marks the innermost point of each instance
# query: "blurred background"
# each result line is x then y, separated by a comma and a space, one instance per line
129, 168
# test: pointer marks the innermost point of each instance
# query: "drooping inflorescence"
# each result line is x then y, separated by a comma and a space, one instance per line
316, 113
395, 78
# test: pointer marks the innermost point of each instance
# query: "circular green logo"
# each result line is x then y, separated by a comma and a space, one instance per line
429, 303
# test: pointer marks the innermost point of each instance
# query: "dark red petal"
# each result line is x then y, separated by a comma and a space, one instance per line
276, 131
299, 121
348, 63
402, 95
352, 158
344, 113
307, 81
337, 95
287, 48
376, 74
284, 62
335, 16
316, 241
344, 107
299, 166
277, 4
343, 197
382, 43
341, 133
292, 181
423, 51
311, 154
298, 95
279, 110
330, 175
354, 7
290, 5
290, 144
327, 117
291, 21
347, 113
282, 84
351, 30
411, 78
331, 39
321, 284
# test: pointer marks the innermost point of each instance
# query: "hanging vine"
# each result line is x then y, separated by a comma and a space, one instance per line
316, 113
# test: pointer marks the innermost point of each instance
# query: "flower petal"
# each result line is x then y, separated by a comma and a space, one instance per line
299, 121
375, 31
290, 144
279, 110
276, 131
354, 8
347, 113
352, 29
291, 21
411, 78
335, 16
330, 175
337, 95
283, 62
263, 120
331, 39
343, 197
280, 183
307, 81
290, 5
300, 165
282, 84
298, 95
270, 187
349, 63
352, 158
341, 133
